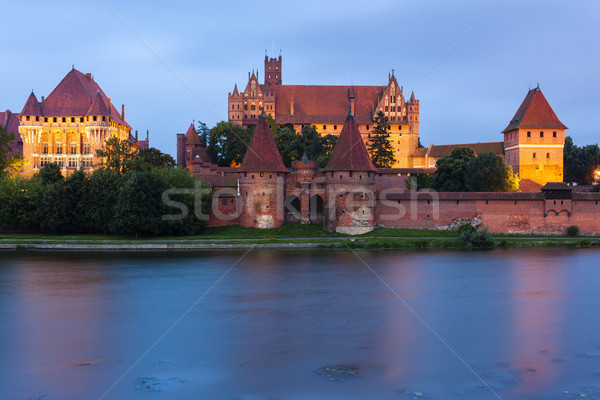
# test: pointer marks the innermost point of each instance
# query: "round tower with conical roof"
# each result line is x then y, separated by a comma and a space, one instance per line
350, 182
262, 181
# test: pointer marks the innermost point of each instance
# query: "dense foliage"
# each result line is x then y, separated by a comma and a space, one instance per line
104, 201
227, 144
473, 238
293, 146
580, 162
379, 146
464, 171
10, 164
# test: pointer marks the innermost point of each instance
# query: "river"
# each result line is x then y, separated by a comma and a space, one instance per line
503, 324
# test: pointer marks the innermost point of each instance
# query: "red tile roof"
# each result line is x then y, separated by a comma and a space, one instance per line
535, 113
98, 107
262, 154
486, 147
325, 104
556, 186
73, 97
350, 152
192, 136
32, 106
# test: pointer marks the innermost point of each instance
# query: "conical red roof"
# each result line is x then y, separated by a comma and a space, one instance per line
350, 152
32, 106
98, 107
535, 113
262, 154
192, 136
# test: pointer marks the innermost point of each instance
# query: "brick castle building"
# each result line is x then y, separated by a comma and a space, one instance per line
69, 125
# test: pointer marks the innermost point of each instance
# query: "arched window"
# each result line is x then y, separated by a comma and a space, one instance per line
533, 155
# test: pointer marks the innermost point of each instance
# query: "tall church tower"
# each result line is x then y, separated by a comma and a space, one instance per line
272, 71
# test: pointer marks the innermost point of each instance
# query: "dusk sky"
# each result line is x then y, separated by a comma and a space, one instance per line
174, 62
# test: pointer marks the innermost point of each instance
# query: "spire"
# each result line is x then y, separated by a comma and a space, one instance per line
412, 96
235, 90
32, 106
262, 154
192, 136
350, 152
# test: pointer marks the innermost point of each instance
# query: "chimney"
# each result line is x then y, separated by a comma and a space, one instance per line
292, 108
123, 112
136, 137
148, 137
42, 99
352, 105
109, 103
88, 76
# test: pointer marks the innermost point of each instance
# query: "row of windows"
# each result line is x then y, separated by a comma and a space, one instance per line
64, 119
71, 162
59, 148
541, 134
547, 155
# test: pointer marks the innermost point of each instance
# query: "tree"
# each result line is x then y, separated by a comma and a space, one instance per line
116, 154
293, 146
10, 164
489, 173
203, 132
380, 148
452, 170
580, 162
50, 173
137, 206
227, 144
149, 158
104, 187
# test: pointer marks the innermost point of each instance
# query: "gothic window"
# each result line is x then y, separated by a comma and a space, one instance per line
86, 148
246, 107
534, 155
547, 155
232, 107
253, 107
59, 148
73, 148
553, 134
60, 162
45, 151
528, 134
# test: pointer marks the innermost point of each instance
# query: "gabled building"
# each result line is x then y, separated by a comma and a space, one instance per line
70, 125
534, 142
326, 106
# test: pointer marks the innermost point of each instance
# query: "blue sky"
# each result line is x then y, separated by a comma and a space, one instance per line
191, 53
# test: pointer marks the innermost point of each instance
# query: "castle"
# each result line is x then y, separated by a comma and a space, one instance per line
68, 126
350, 195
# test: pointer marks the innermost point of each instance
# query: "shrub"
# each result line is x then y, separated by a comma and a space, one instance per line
471, 238
573, 231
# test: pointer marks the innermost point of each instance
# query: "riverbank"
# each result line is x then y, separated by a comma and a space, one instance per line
287, 236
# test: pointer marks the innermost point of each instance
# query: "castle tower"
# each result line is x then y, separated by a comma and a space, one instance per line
272, 71
413, 114
534, 141
350, 182
262, 180
235, 103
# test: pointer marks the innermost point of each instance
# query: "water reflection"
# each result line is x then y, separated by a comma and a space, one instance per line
73, 323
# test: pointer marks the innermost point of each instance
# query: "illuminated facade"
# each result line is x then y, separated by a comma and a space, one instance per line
70, 125
325, 107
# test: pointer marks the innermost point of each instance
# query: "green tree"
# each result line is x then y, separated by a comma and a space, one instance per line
380, 148
104, 186
293, 146
203, 132
50, 173
19, 202
227, 144
10, 164
489, 173
452, 170
137, 207
149, 158
289, 144
116, 154
580, 162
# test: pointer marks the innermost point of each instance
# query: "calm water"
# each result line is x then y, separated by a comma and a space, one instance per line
73, 324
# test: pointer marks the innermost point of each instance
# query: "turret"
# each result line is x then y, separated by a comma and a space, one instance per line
262, 180
272, 71
412, 114
350, 181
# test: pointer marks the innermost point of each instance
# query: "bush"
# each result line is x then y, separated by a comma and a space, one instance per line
573, 231
472, 238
